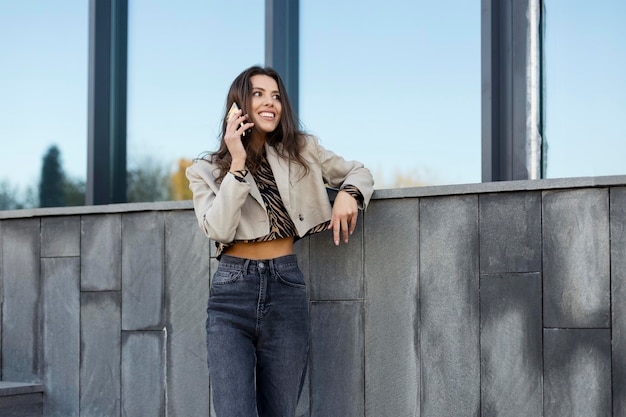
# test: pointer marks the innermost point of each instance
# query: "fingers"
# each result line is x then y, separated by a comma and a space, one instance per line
237, 123
335, 226
235, 127
342, 228
352, 225
344, 217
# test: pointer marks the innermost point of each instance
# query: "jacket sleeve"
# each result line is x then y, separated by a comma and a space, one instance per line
217, 207
338, 172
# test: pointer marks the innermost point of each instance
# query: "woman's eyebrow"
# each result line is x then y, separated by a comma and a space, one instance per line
263, 89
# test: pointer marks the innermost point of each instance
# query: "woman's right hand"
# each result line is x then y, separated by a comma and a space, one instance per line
232, 137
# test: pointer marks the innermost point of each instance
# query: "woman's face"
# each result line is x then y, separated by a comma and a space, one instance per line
266, 107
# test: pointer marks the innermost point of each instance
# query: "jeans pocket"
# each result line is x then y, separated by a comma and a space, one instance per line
223, 277
292, 277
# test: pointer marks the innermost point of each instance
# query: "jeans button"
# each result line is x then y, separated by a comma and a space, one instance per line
261, 265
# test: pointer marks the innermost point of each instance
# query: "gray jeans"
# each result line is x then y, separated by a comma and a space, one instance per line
257, 336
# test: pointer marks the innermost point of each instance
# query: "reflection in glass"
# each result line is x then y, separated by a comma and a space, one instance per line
43, 99
181, 62
395, 85
585, 55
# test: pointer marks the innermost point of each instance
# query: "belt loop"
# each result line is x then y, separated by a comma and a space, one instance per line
246, 264
272, 267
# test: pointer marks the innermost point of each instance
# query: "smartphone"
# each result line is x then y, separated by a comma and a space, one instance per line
234, 109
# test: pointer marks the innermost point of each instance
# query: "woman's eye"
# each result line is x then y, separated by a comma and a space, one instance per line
256, 94
276, 97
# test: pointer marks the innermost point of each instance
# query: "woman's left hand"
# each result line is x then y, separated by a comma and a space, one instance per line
344, 215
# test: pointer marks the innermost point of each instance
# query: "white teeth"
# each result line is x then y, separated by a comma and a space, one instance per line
267, 114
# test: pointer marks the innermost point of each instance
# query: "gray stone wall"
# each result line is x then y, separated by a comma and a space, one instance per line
504, 299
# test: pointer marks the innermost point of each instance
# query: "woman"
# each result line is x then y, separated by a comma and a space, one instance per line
259, 192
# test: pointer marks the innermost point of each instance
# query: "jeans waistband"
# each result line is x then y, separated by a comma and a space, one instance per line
247, 265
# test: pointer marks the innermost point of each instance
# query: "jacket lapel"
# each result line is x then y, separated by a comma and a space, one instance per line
254, 190
281, 170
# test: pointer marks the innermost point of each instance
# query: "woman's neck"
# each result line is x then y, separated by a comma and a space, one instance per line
257, 144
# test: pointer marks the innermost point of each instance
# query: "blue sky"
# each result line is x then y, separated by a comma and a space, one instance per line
394, 84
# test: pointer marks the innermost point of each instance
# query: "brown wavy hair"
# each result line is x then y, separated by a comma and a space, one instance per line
288, 133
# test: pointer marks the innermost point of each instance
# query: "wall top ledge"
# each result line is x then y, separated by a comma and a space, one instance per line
413, 192
502, 187
18, 388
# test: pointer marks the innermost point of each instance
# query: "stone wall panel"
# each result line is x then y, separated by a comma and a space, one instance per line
339, 273
618, 298
576, 259
61, 334
392, 374
337, 374
21, 336
143, 272
187, 260
577, 366
60, 236
449, 309
511, 345
101, 253
143, 373
510, 232
101, 353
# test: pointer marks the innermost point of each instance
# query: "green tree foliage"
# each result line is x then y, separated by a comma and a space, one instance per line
74, 192
55, 188
9, 197
150, 181
51, 184
30, 199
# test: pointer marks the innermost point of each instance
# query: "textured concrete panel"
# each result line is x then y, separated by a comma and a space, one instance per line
61, 339
511, 345
301, 249
337, 380
449, 313
510, 232
187, 259
391, 318
101, 253
618, 291
61, 335
21, 343
19, 388
101, 354
142, 271
1, 294
24, 405
576, 258
577, 379
339, 274
143, 374
60, 236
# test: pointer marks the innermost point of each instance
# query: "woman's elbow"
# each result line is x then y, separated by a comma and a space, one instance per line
218, 234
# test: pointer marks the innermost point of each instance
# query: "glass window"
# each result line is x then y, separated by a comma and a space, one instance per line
43, 99
182, 57
585, 57
396, 85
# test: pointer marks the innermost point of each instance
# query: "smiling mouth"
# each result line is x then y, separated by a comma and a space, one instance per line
267, 115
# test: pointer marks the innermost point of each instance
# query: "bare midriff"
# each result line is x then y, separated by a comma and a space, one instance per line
261, 250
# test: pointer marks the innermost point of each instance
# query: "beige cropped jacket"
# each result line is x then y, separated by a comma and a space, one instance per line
234, 210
